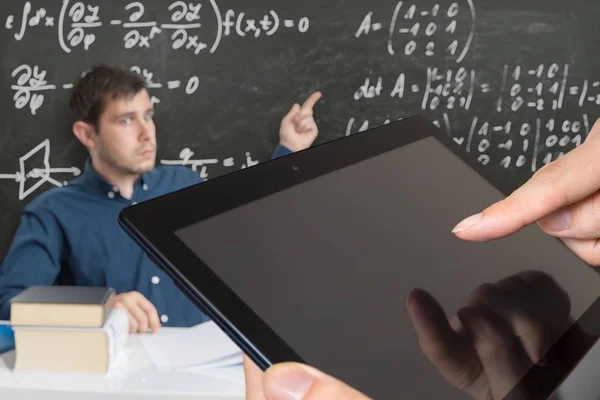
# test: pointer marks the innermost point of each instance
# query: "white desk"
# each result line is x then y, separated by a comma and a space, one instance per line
135, 377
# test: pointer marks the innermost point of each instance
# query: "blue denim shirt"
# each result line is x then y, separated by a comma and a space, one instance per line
71, 236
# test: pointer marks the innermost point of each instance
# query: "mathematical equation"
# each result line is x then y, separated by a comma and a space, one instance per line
426, 30
30, 85
76, 23
186, 159
31, 178
541, 88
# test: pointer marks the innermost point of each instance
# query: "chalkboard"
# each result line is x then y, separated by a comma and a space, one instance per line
514, 82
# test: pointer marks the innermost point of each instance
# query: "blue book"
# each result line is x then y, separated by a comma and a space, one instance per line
7, 338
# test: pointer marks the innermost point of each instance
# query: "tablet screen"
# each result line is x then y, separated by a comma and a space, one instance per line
328, 263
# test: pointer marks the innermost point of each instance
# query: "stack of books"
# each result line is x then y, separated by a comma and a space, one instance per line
67, 329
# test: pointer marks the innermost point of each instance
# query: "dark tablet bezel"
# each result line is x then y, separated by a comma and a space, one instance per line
152, 224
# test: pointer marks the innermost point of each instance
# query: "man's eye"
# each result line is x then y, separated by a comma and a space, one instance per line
148, 117
126, 121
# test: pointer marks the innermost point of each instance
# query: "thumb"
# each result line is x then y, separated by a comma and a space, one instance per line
292, 381
292, 113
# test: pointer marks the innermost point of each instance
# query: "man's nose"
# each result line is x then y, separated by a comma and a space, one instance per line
146, 130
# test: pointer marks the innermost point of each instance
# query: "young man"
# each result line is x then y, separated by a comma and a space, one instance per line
70, 235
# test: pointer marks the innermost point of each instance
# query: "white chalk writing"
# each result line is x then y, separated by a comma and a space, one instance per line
78, 21
31, 179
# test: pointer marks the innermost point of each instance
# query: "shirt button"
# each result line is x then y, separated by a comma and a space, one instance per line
110, 195
115, 189
155, 280
164, 318
145, 187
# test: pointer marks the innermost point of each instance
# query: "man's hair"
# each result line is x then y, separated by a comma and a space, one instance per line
99, 85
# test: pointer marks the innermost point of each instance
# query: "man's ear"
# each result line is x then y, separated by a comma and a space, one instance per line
85, 133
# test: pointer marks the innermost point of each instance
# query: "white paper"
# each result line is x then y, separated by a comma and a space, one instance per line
234, 374
203, 344
235, 359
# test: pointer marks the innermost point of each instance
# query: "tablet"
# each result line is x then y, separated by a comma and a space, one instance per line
311, 257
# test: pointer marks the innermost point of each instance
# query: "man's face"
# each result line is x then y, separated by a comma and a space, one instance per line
126, 136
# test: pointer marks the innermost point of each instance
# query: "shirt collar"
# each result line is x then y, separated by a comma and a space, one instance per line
92, 179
